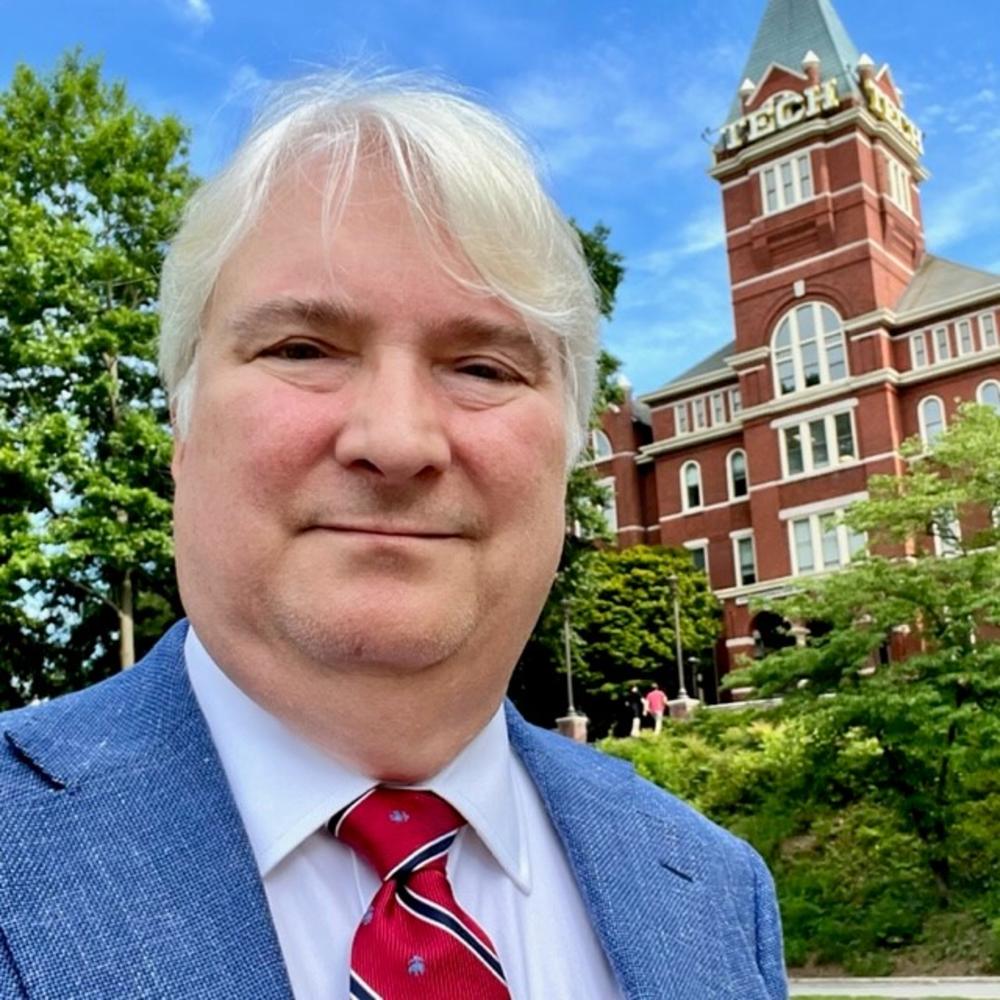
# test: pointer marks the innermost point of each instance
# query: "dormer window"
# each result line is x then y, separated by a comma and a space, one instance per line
808, 348
786, 183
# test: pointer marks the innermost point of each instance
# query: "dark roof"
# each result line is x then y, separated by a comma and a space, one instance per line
713, 363
790, 29
937, 280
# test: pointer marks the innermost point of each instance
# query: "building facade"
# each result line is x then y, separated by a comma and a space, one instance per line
849, 335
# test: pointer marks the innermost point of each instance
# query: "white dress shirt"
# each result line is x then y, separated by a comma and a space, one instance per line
507, 867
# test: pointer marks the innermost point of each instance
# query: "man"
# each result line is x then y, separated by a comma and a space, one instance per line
656, 705
378, 340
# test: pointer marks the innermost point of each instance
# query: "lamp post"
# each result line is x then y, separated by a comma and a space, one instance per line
682, 694
568, 652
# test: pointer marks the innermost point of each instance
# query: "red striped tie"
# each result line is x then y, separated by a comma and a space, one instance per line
414, 942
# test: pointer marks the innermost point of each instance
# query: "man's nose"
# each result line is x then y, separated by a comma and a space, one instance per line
393, 424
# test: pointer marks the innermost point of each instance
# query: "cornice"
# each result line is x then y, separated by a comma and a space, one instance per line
672, 389
820, 127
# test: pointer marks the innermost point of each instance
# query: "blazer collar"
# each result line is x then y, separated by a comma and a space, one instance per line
639, 871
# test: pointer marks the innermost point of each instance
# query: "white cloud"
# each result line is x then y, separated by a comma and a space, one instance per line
197, 11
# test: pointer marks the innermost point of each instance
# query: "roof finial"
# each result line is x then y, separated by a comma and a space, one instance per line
747, 87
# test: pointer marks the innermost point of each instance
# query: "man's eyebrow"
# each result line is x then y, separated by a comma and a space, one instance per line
313, 314
474, 332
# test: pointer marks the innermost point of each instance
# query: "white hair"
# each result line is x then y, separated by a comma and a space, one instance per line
464, 173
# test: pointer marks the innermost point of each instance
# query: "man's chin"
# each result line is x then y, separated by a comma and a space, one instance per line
387, 638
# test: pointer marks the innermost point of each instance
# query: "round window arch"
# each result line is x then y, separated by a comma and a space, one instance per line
808, 348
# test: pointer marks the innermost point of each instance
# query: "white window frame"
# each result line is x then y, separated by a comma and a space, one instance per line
597, 437
922, 420
835, 459
990, 383
948, 549
940, 338
899, 189
815, 527
718, 409
987, 331
793, 351
611, 507
735, 402
963, 337
682, 421
730, 479
803, 186
919, 357
700, 545
700, 407
736, 537
685, 504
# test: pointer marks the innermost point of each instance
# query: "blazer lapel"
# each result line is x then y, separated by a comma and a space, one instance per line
639, 878
131, 870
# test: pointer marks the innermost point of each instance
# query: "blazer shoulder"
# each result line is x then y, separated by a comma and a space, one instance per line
60, 740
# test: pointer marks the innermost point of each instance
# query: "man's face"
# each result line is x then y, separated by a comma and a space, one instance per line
373, 476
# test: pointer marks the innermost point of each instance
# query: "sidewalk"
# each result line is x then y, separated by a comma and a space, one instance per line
915, 988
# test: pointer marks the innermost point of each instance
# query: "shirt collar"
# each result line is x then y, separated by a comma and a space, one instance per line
286, 789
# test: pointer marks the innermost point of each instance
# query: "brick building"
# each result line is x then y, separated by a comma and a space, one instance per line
849, 336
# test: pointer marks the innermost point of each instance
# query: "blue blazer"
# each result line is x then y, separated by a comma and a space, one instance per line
125, 871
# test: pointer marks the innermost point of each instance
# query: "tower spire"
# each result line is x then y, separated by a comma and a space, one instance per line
793, 29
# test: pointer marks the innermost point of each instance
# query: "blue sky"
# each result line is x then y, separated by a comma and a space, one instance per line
615, 96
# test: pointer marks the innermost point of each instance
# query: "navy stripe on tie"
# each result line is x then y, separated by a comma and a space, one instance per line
433, 913
423, 855
337, 818
360, 990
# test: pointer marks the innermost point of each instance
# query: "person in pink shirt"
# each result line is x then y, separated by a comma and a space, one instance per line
656, 705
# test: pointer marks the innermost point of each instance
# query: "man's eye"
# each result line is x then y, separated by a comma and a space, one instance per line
487, 371
296, 350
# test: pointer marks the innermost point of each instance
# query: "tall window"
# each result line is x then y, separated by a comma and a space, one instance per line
718, 409
988, 331
700, 413
942, 343
699, 554
988, 394
735, 402
691, 485
964, 330
600, 445
817, 444
918, 350
744, 559
681, 425
739, 484
822, 542
899, 185
808, 348
930, 415
786, 183
610, 502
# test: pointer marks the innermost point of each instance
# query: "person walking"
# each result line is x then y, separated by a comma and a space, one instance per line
656, 704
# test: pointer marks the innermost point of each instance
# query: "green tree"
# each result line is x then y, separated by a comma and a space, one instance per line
623, 619
90, 190
928, 720
538, 686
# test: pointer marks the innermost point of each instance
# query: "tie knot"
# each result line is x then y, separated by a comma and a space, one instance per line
398, 830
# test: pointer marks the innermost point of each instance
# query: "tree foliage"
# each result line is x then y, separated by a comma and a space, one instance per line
874, 789
90, 189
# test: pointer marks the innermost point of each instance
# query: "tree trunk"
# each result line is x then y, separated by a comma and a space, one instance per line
126, 623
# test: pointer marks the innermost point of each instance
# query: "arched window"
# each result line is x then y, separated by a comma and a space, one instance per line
988, 394
808, 348
691, 485
600, 445
736, 469
930, 414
